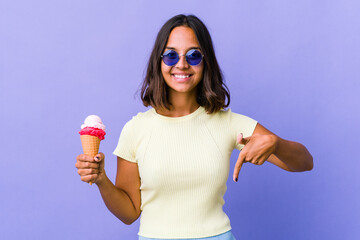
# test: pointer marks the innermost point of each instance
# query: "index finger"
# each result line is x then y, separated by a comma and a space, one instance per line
85, 158
238, 165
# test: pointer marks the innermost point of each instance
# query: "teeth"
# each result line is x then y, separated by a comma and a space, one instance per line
182, 76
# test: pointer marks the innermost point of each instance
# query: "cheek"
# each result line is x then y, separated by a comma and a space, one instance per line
165, 70
200, 71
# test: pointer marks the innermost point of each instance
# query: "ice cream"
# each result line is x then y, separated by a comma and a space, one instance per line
93, 126
91, 133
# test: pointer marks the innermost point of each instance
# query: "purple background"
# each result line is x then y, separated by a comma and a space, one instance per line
289, 64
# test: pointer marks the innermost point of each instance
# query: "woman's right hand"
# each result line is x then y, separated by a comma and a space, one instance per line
91, 169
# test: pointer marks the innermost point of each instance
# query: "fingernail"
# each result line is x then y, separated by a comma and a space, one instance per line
236, 179
96, 159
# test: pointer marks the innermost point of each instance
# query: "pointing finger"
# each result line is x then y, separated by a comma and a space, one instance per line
238, 165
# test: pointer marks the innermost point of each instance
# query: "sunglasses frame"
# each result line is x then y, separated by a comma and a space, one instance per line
186, 57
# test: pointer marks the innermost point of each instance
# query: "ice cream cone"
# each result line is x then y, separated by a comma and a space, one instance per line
90, 145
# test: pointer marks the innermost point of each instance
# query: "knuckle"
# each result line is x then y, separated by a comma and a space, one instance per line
269, 138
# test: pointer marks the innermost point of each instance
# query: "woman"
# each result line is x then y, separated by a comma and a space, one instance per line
173, 160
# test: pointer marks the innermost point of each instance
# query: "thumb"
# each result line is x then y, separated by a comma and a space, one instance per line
242, 140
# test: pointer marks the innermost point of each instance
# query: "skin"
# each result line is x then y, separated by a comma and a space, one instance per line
264, 145
123, 198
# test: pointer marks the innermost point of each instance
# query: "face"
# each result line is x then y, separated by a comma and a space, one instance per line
182, 77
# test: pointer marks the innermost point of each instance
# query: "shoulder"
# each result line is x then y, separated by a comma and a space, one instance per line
139, 122
141, 117
227, 115
232, 120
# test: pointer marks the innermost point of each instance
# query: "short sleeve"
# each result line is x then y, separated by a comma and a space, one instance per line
126, 147
241, 124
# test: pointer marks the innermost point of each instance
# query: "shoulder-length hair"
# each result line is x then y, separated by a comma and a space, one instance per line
212, 92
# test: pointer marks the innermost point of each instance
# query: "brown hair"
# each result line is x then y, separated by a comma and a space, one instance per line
211, 90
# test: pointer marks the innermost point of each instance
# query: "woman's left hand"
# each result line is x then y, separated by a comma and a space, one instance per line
257, 150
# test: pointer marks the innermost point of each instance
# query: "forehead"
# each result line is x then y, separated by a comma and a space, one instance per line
182, 38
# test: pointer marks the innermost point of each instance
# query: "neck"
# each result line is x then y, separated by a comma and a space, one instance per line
181, 105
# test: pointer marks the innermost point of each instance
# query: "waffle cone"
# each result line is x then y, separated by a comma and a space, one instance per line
90, 144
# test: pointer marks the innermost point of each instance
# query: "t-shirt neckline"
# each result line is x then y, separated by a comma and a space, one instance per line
186, 117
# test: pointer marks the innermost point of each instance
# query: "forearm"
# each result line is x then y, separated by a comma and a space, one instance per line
117, 201
294, 155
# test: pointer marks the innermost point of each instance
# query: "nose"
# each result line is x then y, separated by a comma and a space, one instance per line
182, 63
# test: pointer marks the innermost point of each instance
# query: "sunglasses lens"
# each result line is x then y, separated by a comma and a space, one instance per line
193, 57
170, 57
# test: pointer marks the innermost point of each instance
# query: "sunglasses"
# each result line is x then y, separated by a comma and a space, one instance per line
193, 57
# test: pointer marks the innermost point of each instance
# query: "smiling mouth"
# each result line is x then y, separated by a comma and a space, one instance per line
182, 76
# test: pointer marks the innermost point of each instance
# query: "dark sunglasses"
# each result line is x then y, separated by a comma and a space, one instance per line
193, 57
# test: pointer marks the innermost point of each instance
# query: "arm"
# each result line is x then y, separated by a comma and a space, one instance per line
288, 155
263, 145
122, 199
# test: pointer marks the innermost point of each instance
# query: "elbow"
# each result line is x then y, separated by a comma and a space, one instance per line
130, 221
303, 167
307, 166
307, 163
311, 164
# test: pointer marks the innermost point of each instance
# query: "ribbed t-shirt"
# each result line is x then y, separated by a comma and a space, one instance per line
183, 164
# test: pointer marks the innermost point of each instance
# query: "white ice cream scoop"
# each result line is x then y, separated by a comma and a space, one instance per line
93, 121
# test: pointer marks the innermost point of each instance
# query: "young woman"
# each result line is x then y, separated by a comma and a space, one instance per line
173, 160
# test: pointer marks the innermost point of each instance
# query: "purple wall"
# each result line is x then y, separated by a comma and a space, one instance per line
291, 65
